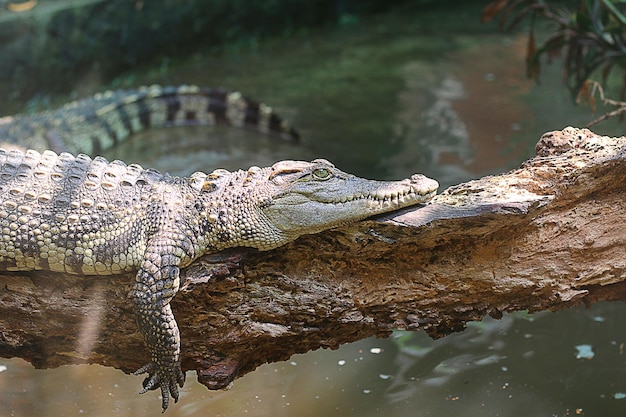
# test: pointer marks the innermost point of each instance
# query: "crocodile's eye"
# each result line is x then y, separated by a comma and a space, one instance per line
321, 174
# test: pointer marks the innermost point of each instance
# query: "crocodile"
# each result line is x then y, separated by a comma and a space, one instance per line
76, 214
97, 123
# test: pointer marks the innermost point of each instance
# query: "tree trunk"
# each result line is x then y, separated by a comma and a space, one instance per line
547, 236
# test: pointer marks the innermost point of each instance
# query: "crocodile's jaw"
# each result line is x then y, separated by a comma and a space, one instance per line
343, 199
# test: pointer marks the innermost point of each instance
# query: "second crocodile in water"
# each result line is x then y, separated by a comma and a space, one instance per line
78, 215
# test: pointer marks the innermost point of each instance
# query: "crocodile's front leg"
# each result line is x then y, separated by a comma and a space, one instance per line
155, 285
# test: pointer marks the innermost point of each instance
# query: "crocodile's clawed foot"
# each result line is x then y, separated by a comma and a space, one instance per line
168, 379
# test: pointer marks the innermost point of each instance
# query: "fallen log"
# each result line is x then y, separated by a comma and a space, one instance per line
547, 236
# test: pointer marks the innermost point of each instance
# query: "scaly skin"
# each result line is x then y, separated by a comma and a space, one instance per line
83, 216
97, 123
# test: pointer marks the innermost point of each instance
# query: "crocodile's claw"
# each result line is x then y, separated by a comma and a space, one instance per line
168, 379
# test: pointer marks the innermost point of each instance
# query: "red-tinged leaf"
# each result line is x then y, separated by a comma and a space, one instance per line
533, 67
508, 10
556, 41
585, 94
520, 16
553, 54
492, 9
553, 45
531, 48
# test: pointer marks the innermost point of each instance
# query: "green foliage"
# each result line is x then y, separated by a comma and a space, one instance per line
590, 37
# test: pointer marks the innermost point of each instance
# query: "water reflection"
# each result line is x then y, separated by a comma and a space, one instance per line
454, 113
183, 150
518, 366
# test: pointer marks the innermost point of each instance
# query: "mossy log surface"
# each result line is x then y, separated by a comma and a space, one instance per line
547, 236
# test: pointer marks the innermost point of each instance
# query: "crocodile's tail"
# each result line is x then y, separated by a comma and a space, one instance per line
92, 125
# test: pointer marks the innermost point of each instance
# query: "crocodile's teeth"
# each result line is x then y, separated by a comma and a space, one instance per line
382, 196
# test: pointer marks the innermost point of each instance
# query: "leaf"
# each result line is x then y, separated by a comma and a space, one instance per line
517, 19
582, 20
533, 66
492, 9
585, 94
613, 10
508, 10
553, 45
532, 8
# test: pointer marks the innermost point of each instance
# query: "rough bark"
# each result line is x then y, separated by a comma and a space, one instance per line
549, 235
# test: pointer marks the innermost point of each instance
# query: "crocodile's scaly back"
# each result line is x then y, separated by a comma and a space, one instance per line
79, 215
74, 214
92, 125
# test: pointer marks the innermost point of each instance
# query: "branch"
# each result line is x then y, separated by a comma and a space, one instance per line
588, 92
549, 235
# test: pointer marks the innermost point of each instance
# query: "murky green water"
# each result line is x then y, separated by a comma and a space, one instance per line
383, 98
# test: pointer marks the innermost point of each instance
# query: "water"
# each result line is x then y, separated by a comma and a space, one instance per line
382, 99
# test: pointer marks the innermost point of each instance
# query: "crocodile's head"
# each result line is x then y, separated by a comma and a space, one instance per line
272, 206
